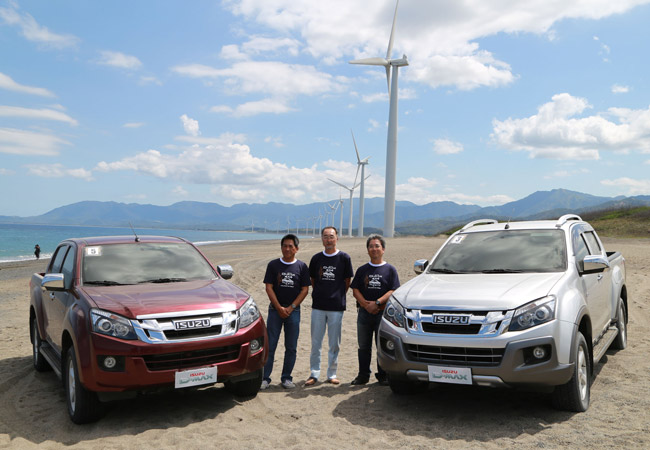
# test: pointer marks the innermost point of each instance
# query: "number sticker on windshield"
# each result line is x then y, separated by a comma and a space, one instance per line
457, 239
93, 251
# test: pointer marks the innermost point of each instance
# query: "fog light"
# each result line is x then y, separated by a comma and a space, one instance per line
255, 345
390, 345
110, 362
539, 352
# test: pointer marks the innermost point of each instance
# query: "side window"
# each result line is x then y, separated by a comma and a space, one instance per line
68, 269
57, 261
592, 242
581, 250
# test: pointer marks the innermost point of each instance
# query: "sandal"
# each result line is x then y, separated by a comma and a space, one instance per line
334, 381
310, 381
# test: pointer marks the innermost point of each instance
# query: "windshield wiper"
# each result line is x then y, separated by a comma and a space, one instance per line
441, 270
104, 283
502, 271
164, 280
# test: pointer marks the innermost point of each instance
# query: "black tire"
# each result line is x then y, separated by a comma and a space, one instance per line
575, 395
83, 405
620, 343
39, 361
246, 388
403, 387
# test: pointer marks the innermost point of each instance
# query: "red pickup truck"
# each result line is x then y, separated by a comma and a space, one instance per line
122, 315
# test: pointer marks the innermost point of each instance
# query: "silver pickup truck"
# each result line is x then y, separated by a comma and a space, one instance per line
518, 304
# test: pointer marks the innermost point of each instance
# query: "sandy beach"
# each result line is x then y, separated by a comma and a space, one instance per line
33, 413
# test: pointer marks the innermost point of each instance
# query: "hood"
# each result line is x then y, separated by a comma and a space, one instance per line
134, 300
475, 291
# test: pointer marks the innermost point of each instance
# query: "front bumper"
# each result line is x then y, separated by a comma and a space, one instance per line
142, 366
496, 362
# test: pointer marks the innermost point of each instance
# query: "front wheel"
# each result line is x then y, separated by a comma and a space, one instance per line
620, 343
575, 395
246, 388
83, 405
39, 361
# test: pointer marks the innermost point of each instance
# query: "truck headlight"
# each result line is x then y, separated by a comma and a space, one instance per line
533, 314
110, 324
248, 313
394, 313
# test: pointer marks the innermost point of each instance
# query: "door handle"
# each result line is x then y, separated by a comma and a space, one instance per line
52, 296
600, 277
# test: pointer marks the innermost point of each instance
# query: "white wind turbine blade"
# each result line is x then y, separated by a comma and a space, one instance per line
372, 62
389, 52
342, 185
355, 147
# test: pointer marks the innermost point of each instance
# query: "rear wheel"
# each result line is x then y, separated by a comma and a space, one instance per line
83, 405
246, 388
404, 387
620, 343
575, 395
40, 363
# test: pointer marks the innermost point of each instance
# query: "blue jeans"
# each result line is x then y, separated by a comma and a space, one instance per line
274, 324
320, 320
367, 326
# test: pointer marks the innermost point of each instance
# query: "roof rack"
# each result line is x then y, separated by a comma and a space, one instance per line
479, 221
565, 218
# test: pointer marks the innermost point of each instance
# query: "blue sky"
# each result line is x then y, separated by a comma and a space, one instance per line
253, 101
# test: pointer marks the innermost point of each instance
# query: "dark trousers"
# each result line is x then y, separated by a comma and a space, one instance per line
274, 325
367, 326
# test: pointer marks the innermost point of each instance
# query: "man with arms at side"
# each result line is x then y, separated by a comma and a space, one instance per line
330, 272
287, 283
372, 286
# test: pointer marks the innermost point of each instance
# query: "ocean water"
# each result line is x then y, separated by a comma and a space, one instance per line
17, 241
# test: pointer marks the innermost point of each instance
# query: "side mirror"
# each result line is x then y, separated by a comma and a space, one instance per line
420, 266
53, 282
595, 264
225, 271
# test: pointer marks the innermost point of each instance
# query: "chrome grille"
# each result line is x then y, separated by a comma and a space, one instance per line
480, 323
160, 328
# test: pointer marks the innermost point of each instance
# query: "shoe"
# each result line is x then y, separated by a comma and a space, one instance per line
311, 381
383, 381
264, 386
359, 381
333, 381
288, 384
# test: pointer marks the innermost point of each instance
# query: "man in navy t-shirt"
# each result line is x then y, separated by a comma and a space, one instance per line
330, 272
287, 283
372, 286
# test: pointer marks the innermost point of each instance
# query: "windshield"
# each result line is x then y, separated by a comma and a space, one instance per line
508, 251
133, 263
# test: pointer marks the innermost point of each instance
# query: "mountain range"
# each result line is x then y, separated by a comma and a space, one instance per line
430, 218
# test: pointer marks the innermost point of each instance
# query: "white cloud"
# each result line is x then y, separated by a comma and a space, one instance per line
447, 147
180, 191
190, 126
374, 125
259, 45
34, 32
146, 80
248, 109
58, 171
633, 187
133, 125
21, 142
118, 59
276, 141
6, 82
6, 171
423, 189
556, 133
36, 114
618, 89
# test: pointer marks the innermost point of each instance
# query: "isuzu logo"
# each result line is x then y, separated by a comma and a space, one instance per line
451, 319
191, 324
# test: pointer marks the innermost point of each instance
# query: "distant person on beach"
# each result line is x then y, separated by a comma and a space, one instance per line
37, 251
372, 286
330, 272
287, 284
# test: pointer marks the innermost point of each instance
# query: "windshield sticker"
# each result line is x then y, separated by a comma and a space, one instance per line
93, 251
458, 239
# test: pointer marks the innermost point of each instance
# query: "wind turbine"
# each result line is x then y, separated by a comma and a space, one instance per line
392, 69
361, 163
351, 194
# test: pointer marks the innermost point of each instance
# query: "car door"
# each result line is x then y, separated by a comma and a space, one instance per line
594, 287
55, 302
601, 294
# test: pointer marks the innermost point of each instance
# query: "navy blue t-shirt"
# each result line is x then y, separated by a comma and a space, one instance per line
287, 279
374, 281
328, 274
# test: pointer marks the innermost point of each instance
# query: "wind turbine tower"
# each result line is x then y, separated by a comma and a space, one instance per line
354, 186
361, 163
392, 69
